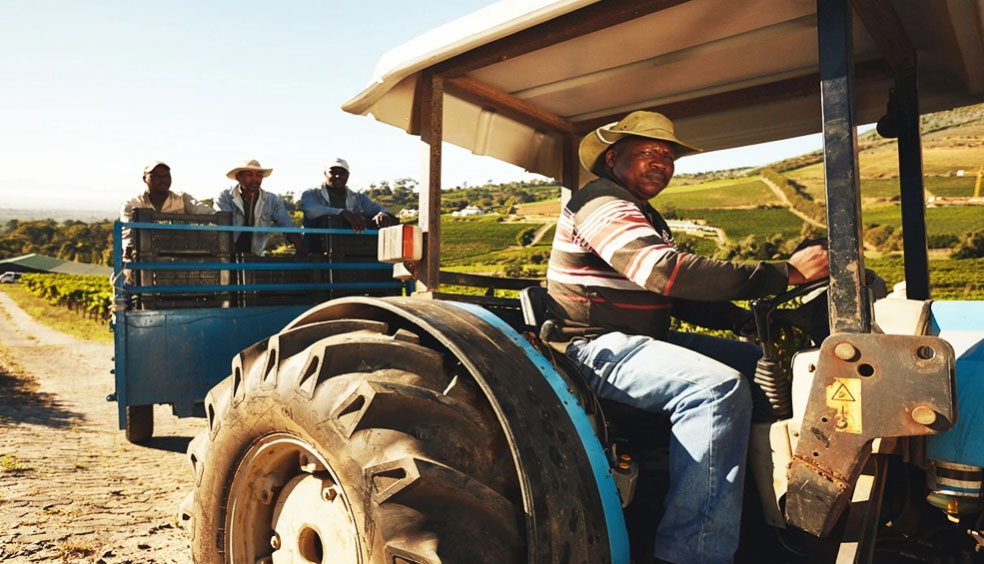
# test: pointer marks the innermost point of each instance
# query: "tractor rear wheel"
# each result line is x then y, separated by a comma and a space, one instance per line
335, 442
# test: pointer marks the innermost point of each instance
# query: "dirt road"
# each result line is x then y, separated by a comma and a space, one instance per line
71, 487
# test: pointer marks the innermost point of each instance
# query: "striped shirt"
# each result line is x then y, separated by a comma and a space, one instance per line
614, 265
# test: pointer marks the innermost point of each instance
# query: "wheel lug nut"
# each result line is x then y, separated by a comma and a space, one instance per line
328, 494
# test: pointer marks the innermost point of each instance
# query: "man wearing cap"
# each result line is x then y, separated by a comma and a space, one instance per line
334, 199
160, 197
254, 207
616, 275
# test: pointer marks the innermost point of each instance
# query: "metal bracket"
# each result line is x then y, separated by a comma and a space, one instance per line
867, 386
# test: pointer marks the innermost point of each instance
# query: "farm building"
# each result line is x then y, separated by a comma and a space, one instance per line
42, 263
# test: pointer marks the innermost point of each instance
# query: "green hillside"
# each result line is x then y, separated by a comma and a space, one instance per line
732, 193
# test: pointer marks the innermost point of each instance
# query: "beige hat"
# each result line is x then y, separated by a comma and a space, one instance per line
640, 123
150, 168
338, 162
251, 164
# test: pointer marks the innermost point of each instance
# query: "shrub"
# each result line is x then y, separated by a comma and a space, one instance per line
751, 248
942, 240
971, 245
525, 237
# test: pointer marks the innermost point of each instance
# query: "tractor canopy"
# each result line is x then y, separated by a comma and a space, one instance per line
519, 75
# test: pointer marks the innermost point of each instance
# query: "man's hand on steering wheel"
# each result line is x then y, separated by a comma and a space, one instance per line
809, 263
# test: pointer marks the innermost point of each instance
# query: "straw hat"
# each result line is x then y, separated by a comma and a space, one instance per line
252, 164
640, 123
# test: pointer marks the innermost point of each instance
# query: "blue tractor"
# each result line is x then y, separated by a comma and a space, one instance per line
426, 429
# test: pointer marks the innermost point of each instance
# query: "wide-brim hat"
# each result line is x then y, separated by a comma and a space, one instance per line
252, 164
651, 125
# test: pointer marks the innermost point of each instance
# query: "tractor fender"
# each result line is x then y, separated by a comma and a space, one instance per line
572, 507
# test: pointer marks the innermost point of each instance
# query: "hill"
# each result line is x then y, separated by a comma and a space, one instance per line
88, 216
952, 141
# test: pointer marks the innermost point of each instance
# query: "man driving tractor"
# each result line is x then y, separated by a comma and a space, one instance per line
615, 272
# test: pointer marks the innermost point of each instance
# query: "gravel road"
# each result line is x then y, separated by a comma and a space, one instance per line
72, 488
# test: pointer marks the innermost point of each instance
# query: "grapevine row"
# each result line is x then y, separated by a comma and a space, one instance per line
90, 294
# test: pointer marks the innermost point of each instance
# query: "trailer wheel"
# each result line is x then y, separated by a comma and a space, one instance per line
354, 446
139, 423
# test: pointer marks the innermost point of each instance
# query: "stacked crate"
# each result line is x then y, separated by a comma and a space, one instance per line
342, 248
284, 296
174, 246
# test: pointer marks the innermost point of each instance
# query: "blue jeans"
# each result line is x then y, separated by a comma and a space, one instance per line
697, 380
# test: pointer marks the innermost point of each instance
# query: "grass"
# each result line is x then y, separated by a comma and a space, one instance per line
548, 237
58, 318
953, 186
9, 463
70, 550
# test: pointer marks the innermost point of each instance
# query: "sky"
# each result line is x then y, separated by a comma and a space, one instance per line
92, 91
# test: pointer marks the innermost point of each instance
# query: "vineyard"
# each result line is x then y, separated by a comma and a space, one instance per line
949, 279
465, 238
738, 224
91, 296
742, 193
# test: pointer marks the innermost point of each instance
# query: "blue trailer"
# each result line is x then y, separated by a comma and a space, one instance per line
173, 351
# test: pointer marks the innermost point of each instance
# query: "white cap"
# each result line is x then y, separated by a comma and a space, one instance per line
150, 168
337, 162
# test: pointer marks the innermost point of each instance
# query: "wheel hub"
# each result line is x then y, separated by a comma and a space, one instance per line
312, 523
286, 506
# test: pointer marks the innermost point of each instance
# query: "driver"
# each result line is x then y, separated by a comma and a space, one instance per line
616, 273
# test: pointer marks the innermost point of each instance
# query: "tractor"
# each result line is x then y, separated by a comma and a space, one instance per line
433, 428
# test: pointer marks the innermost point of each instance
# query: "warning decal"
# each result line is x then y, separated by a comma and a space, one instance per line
841, 393
844, 395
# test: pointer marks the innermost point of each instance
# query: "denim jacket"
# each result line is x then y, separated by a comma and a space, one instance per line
270, 211
315, 203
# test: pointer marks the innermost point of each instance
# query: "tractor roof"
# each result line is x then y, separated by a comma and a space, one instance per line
520, 75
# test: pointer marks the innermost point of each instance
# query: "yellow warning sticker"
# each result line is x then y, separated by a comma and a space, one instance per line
844, 395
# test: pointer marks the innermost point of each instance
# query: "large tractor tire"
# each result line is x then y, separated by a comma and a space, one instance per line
361, 440
139, 423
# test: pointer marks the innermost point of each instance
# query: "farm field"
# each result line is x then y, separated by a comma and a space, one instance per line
949, 279
542, 208
739, 223
811, 178
950, 220
469, 238
739, 193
